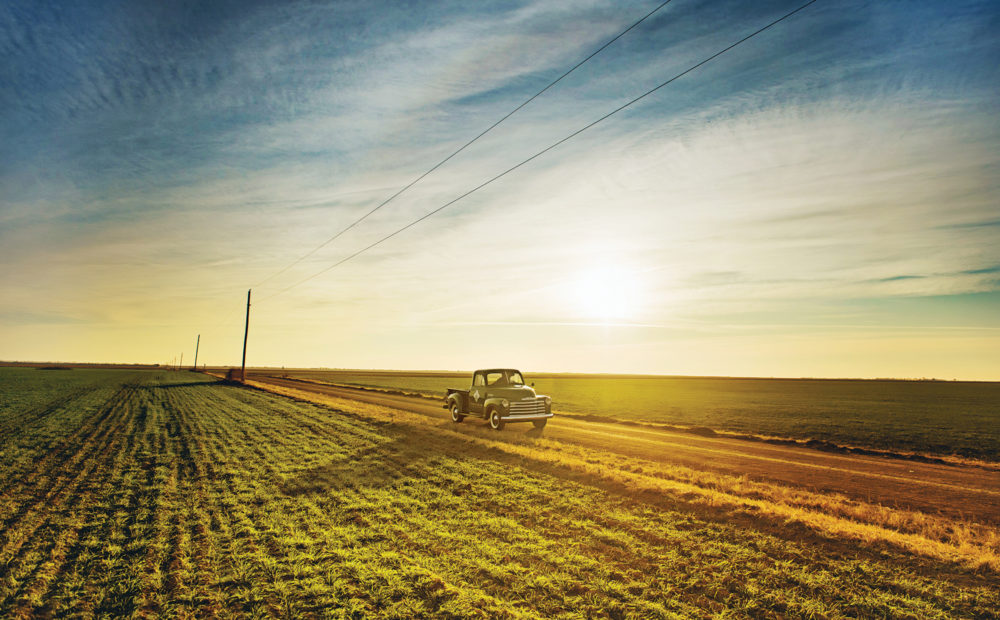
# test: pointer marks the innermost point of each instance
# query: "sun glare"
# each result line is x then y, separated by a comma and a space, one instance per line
606, 293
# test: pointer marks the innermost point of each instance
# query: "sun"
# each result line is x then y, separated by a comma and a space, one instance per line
606, 293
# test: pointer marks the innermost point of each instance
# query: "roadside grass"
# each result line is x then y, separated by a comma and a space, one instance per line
173, 495
926, 417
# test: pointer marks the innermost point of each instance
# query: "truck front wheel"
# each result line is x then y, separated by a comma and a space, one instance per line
540, 424
495, 422
456, 413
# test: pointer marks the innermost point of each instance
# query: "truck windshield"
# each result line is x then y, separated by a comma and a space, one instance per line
516, 378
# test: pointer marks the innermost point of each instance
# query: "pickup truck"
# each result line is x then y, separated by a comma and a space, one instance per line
500, 396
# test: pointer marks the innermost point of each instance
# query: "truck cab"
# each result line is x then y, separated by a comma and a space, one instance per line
499, 396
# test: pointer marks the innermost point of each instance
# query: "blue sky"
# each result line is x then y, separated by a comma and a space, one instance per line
831, 185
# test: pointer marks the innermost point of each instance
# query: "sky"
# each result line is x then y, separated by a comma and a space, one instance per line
822, 200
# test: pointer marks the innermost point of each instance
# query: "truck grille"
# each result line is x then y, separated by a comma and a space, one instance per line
529, 406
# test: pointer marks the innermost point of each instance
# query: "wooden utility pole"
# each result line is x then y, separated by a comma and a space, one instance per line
246, 330
196, 344
182, 361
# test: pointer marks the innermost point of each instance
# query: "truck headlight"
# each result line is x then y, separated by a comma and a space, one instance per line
548, 401
505, 404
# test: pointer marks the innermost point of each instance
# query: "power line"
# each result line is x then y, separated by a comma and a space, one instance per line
461, 148
545, 150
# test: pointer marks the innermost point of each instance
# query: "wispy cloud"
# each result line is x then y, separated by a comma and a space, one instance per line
164, 157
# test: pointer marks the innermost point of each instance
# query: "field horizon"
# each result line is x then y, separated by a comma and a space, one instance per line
468, 372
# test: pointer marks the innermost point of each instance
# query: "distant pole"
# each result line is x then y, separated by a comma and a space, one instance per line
246, 330
196, 343
179, 366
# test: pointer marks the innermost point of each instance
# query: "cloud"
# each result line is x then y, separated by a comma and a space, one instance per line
167, 157
985, 270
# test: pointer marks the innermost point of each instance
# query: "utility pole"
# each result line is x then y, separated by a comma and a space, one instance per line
179, 366
196, 344
246, 330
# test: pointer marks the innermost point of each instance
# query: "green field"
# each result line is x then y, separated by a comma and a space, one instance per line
931, 417
153, 493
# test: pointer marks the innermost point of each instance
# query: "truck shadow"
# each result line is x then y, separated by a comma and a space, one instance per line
377, 466
391, 462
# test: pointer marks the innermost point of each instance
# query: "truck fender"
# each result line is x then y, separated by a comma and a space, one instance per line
459, 398
493, 403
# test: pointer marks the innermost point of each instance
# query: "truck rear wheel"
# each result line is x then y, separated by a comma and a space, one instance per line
456, 413
495, 422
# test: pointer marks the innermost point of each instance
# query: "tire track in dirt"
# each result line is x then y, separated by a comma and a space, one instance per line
717, 451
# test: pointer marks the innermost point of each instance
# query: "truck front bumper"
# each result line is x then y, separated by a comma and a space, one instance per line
527, 417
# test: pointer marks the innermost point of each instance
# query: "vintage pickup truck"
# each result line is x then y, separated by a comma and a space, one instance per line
500, 396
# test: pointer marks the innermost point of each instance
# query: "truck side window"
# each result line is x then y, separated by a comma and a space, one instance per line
478, 380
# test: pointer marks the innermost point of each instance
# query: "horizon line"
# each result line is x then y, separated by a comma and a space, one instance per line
155, 365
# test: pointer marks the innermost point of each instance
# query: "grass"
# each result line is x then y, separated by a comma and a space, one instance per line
929, 417
154, 493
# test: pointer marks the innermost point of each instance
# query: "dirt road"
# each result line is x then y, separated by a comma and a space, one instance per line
954, 490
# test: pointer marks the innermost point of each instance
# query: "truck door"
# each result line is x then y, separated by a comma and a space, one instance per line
477, 394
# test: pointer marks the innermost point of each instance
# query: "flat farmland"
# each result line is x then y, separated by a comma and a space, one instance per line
928, 417
157, 493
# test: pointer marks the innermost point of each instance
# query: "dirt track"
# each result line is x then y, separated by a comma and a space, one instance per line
954, 490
